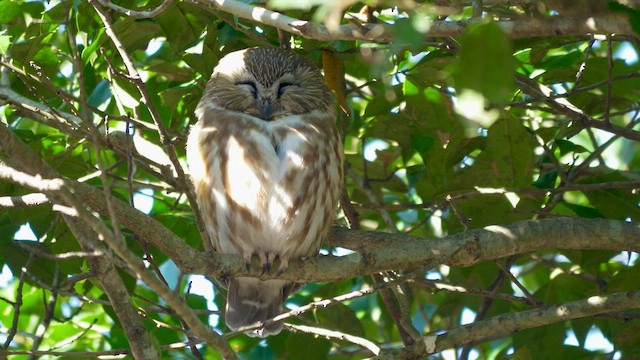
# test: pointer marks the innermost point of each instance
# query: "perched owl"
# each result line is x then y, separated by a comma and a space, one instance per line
266, 160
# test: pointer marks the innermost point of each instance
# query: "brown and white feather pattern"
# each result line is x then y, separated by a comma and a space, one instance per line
266, 160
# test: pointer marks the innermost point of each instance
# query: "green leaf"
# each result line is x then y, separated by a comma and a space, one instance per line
546, 180
540, 342
421, 143
486, 63
624, 279
567, 147
434, 68
135, 34
16, 258
581, 328
626, 340
5, 42
563, 288
9, 10
126, 92
39, 52
100, 94
406, 32
307, 346
582, 211
509, 151
198, 302
613, 203
294, 4
339, 317
483, 211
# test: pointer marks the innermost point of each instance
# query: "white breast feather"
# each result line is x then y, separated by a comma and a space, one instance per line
256, 186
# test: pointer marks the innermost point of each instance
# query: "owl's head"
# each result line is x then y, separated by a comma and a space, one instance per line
268, 84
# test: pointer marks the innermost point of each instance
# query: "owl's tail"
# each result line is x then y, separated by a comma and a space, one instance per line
251, 300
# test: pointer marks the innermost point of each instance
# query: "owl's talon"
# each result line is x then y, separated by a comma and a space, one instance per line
279, 272
266, 268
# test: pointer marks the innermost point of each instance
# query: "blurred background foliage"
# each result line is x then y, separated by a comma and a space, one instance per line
442, 134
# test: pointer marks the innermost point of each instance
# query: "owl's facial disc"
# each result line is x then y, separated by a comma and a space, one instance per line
267, 101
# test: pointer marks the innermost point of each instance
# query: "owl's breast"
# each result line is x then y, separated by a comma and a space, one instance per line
266, 187
267, 171
249, 169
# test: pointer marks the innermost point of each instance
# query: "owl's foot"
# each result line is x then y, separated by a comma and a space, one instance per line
247, 262
266, 261
284, 264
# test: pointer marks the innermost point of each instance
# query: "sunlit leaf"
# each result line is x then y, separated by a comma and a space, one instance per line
486, 63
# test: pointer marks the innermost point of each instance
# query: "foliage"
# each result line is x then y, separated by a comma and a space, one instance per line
442, 134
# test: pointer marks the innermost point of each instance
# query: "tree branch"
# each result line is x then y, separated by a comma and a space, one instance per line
503, 325
28, 200
136, 80
563, 106
382, 32
66, 123
407, 252
60, 192
137, 14
331, 334
477, 245
140, 340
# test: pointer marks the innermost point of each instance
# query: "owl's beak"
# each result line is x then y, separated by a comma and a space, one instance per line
266, 110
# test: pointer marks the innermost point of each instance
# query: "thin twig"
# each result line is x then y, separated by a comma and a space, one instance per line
607, 99
583, 65
464, 220
138, 14
17, 304
28, 200
490, 294
516, 282
49, 309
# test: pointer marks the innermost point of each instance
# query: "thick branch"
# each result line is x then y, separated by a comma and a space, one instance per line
141, 344
503, 325
407, 252
468, 248
381, 32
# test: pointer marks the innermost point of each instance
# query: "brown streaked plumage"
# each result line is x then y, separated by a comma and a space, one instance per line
266, 160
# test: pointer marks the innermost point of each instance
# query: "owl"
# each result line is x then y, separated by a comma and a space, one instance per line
266, 161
